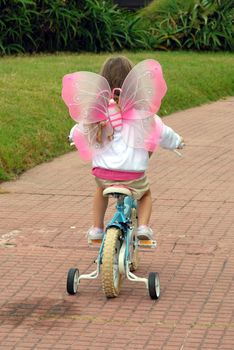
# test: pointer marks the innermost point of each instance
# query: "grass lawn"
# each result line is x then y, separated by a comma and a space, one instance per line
34, 122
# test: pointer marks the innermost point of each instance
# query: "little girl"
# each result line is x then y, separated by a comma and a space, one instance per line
120, 163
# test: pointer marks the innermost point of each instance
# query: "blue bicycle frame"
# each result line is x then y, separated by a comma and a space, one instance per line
121, 220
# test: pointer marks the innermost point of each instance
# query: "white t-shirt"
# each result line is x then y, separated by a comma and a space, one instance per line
119, 156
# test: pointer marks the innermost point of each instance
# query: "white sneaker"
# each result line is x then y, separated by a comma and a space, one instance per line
95, 233
144, 233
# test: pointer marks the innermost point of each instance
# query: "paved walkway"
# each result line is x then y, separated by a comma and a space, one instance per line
44, 216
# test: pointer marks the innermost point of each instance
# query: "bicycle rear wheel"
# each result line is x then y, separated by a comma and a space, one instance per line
111, 277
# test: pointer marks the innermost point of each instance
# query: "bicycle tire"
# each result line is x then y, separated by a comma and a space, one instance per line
154, 285
111, 277
135, 258
72, 280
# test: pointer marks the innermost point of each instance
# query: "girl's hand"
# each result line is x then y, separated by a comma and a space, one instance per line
182, 144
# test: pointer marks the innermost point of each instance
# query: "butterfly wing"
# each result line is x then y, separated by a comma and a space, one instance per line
86, 140
140, 99
143, 133
87, 96
143, 89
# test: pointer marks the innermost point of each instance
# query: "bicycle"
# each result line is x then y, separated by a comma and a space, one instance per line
119, 251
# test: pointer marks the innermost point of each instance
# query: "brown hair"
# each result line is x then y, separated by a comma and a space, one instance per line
115, 70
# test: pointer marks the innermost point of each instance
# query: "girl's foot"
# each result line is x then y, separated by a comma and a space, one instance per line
144, 233
95, 233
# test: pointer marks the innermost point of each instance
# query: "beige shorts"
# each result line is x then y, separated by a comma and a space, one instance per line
138, 187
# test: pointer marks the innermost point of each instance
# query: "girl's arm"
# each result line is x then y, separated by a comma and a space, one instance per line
170, 139
71, 134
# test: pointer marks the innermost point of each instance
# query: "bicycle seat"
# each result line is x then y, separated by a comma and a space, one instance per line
116, 190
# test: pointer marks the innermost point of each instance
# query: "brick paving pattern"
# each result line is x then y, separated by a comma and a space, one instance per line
44, 217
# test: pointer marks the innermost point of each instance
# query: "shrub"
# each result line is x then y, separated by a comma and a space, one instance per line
193, 24
56, 25
16, 33
98, 25
104, 27
61, 25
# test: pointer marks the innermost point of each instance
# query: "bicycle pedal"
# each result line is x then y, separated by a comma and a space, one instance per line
146, 243
94, 241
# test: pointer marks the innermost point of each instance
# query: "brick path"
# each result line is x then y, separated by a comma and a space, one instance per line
44, 216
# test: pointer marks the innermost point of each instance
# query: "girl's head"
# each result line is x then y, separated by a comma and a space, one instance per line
115, 70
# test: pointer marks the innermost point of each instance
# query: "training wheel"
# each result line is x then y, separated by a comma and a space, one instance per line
72, 281
154, 285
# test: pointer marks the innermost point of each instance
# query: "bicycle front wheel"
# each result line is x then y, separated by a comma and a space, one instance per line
111, 277
135, 259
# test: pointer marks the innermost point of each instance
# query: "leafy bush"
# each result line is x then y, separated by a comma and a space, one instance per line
98, 25
16, 32
158, 8
191, 24
59, 25
104, 27
56, 25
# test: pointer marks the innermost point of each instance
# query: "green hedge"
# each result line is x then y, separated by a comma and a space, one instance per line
98, 25
60, 25
191, 24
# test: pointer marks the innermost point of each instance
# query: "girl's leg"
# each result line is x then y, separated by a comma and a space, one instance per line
99, 208
144, 209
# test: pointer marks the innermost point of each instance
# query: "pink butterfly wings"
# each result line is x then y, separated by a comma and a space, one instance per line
88, 95
143, 89
141, 96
